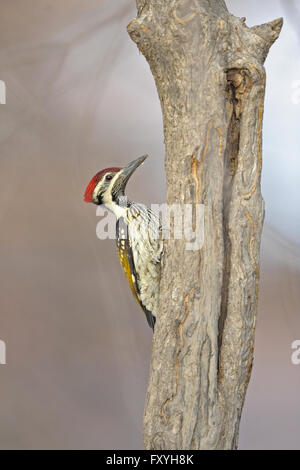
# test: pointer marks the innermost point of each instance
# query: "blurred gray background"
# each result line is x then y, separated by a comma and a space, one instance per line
81, 97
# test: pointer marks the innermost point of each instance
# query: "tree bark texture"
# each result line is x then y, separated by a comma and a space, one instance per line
209, 73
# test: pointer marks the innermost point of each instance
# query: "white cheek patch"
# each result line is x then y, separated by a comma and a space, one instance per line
108, 192
107, 195
118, 210
107, 199
96, 190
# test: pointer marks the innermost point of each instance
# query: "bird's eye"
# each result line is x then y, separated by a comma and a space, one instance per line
108, 177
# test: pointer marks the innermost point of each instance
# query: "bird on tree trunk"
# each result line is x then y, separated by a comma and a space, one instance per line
138, 234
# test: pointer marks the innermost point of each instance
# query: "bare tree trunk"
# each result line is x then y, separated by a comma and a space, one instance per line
208, 69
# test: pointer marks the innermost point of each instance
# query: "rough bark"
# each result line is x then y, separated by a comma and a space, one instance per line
209, 73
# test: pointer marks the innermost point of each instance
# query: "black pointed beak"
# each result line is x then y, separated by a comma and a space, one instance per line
129, 169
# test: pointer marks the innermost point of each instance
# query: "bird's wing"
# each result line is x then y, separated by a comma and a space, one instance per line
127, 262
149, 229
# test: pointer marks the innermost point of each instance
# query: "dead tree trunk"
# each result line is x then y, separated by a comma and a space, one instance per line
208, 69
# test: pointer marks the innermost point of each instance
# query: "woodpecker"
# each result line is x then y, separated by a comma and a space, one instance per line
138, 234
